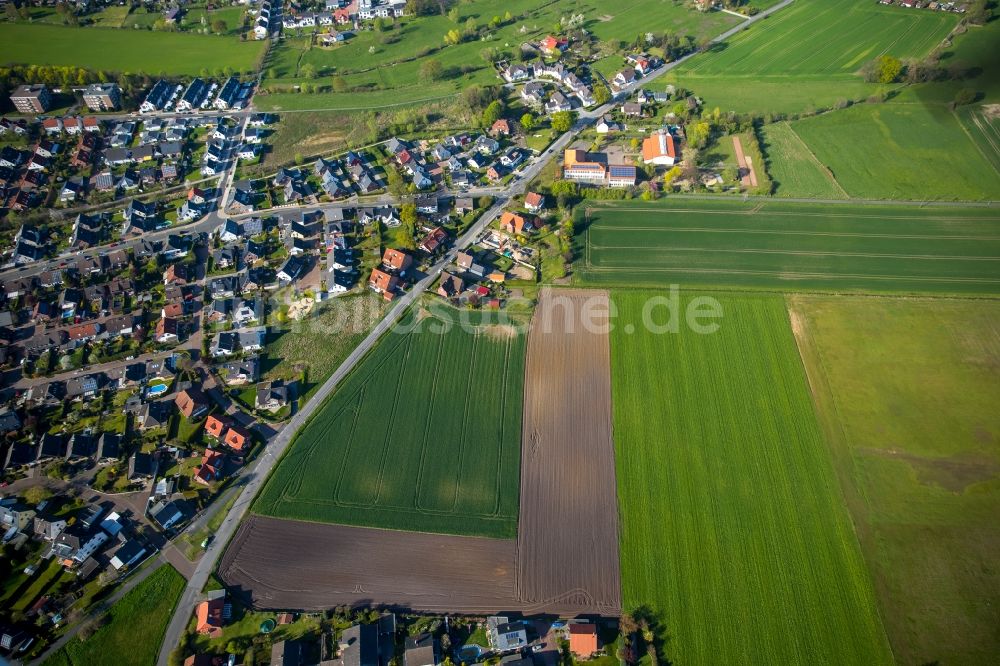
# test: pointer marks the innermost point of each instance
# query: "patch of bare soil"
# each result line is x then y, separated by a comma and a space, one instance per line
500, 331
567, 542
954, 474
288, 564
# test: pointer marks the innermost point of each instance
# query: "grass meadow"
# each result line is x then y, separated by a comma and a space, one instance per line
903, 151
907, 392
794, 168
115, 50
321, 342
733, 529
134, 629
424, 435
785, 245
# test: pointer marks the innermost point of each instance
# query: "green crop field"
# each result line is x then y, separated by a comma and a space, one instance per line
130, 50
984, 129
807, 56
878, 151
134, 629
424, 435
824, 37
907, 391
733, 529
794, 169
784, 245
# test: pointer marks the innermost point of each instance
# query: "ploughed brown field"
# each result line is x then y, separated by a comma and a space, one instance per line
289, 564
565, 560
567, 550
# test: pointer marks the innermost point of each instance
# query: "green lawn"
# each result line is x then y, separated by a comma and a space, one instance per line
882, 151
794, 168
733, 530
134, 629
132, 50
907, 390
424, 435
783, 245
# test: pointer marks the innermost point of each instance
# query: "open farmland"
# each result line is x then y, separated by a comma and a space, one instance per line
124, 50
808, 55
982, 124
785, 245
292, 564
886, 143
733, 529
568, 505
907, 391
793, 167
423, 435
824, 37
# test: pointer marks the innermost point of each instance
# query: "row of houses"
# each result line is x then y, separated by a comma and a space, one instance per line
199, 94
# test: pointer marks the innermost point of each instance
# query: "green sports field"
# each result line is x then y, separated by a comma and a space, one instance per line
789, 246
424, 435
733, 528
905, 151
124, 50
907, 391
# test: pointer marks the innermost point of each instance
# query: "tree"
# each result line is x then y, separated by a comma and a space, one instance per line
562, 121
492, 113
408, 221
601, 94
37, 494
219, 26
339, 84
965, 96
395, 183
452, 37
453, 15
883, 69
308, 70
528, 122
431, 70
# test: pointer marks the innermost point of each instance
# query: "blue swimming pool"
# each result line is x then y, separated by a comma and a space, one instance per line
156, 389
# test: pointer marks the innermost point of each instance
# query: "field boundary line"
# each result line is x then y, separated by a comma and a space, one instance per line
465, 419
989, 139
805, 253
390, 423
360, 398
788, 232
788, 213
824, 168
427, 423
796, 274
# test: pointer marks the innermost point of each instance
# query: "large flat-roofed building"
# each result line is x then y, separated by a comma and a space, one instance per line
31, 99
102, 96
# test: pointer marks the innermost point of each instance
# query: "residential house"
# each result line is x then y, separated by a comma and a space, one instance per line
513, 223
534, 202
450, 286
192, 403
